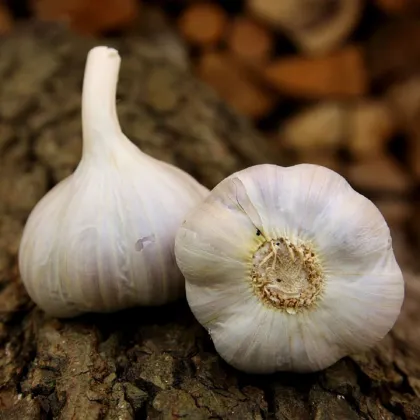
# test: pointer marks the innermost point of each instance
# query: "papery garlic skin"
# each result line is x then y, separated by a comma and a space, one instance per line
333, 289
102, 239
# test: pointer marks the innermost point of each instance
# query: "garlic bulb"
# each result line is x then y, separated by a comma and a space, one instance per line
102, 239
289, 269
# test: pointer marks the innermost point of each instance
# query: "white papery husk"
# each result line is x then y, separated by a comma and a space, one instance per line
103, 239
362, 290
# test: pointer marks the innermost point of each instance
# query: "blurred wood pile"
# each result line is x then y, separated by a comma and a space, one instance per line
332, 82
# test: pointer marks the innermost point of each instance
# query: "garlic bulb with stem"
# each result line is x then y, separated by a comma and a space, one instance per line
289, 269
102, 239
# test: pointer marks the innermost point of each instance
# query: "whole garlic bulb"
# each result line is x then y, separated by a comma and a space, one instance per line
102, 239
289, 269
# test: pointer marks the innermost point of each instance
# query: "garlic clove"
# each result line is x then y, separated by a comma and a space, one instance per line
229, 242
102, 240
310, 278
214, 262
259, 344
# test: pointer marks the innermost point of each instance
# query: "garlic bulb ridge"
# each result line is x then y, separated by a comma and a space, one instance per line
102, 239
289, 269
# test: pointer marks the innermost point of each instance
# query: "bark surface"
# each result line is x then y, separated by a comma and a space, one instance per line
151, 363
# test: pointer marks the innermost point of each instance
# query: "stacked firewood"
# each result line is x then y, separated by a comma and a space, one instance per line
335, 83
330, 82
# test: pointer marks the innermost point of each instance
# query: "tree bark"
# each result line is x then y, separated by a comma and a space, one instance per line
155, 363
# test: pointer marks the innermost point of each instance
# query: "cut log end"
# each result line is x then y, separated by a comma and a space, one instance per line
91, 17
341, 74
232, 82
249, 40
6, 20
203, 23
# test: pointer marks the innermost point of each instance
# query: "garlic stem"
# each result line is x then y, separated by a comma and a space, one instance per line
99, 114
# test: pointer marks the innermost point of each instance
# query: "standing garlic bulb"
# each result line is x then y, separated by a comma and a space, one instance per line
289, 269
102, 239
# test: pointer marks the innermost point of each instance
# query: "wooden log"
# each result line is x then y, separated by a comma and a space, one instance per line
382, 174
6, 20
317, 129
363, 127
315, 29
394, 6
414, 154
88, 16
404, 100
393, 52
341, 74
203, 23
371, 125
234, 84
249, 41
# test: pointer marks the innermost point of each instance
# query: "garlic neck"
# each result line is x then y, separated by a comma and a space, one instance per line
101, 128
286, 276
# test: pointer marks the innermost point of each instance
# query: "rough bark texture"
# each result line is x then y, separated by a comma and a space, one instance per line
151, 363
